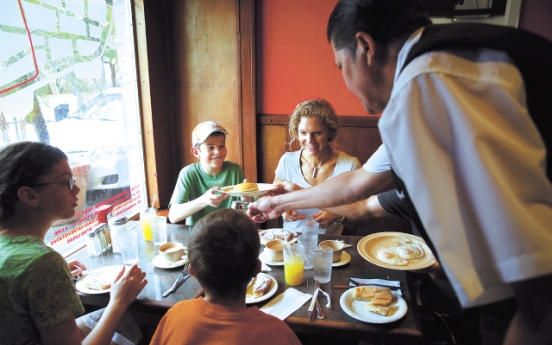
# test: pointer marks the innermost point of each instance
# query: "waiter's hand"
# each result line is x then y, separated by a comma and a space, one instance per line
263, 209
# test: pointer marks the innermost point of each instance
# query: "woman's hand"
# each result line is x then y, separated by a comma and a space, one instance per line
127, 285
77, 268
325, 218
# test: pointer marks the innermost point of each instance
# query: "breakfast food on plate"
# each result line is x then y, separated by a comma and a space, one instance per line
98, 281
246, 187
407, 249
379, 310
259, 285
277, 234
389, 256
400, 252
379, 297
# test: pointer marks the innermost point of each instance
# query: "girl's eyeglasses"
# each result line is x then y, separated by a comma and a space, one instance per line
71, 182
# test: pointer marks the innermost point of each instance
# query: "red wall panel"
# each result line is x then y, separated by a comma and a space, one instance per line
295, 62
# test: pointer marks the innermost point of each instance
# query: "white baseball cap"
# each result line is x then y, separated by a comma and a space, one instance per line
202, 131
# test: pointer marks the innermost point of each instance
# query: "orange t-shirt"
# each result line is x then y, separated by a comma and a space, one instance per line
197, 321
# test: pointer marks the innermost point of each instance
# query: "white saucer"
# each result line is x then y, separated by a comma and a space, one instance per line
345, 259
160, 263
267, 261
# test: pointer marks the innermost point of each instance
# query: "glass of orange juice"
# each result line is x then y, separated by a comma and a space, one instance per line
145, 221
294, 264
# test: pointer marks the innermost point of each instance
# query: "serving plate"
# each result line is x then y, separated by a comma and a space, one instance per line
107, 273
368, 247
270, 293
359, 309
263, 189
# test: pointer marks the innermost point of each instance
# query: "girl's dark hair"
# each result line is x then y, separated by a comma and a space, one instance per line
387, 21
223, 251
21, 164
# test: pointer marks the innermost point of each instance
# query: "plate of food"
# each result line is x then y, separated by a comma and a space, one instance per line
261, 288
277, 234
373, 304
99, 280
251, 189
396, 251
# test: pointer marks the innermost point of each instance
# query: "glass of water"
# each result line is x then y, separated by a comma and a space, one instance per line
322, 257
309, 242
128, 244
158, 229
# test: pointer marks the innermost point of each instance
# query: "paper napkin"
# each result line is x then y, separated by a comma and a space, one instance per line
394, 285
265, 268
286, 303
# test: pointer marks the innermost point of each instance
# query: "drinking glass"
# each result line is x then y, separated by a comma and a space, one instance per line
145, 221
310, 228
159, 229
128, 243
294, 264
322, 257
309, 242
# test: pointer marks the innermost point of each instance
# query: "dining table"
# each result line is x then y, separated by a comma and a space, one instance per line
337, 322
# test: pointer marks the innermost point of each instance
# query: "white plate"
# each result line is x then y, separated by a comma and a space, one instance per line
277, 231
359, 309
263, 189
368, 247
270, 293
267, 261
345, 259
109, 272
160, 263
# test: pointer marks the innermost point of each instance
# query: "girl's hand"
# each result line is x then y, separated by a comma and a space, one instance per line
77, 268
127, 285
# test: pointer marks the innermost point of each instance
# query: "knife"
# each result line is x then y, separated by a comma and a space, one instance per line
181, 279
312, 312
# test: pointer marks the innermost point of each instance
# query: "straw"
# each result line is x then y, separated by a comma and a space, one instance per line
153, 201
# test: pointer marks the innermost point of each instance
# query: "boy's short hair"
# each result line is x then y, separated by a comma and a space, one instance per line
223, 251
202, 131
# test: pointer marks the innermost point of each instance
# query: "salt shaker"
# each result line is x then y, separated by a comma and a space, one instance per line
239, 205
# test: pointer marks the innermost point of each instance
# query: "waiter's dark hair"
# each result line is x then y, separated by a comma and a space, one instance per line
387, 21
21, 164
223, 251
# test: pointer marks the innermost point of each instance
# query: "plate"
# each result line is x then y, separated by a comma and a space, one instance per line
345, 259
359, 309
263, 189
266, 235
270, 262
270, 293
160, 263
107, 273
369, 245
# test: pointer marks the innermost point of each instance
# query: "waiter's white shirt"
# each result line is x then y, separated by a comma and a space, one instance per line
458, 133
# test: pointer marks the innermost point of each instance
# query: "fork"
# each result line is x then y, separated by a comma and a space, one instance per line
319, 312
181, 279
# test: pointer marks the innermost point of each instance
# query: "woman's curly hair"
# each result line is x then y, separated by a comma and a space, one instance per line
21, 164
319, 108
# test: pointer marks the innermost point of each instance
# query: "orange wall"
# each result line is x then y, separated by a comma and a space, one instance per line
295, 62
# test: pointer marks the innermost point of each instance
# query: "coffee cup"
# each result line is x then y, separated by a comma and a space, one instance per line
274, 250
337, 247
171, 252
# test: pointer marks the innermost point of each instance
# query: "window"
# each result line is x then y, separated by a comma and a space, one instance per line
68, 78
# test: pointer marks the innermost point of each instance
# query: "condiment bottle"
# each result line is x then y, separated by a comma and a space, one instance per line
93, 245
101, 237
239, 205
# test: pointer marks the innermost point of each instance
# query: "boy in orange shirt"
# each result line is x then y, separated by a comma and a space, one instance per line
223, 251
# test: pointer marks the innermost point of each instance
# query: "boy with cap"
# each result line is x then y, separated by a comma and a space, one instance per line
195, 194
223, 251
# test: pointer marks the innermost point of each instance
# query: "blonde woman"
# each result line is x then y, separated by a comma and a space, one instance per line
314, 124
